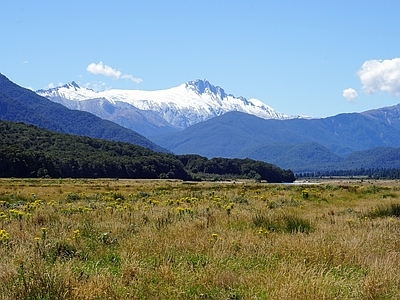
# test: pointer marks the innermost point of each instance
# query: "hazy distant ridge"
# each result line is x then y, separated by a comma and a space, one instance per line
298, 144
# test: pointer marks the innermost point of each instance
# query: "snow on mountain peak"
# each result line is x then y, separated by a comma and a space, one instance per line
72, 85
181, 106
204, 86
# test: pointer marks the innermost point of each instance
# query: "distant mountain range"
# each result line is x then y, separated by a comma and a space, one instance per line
299, 144
200, 118
157, 112
22, 105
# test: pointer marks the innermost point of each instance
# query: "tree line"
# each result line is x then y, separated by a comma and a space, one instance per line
29, 151
373, 173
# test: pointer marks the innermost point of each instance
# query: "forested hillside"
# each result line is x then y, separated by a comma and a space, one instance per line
18, 104
28, 151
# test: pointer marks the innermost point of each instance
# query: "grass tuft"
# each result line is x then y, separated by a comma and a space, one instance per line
387, 210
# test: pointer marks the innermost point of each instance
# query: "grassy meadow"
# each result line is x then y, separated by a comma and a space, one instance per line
138, 239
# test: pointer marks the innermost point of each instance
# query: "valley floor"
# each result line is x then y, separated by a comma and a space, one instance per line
164, 239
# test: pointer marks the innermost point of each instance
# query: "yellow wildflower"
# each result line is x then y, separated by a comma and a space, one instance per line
4, 236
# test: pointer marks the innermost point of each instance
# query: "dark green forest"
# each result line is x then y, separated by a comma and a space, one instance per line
29, 151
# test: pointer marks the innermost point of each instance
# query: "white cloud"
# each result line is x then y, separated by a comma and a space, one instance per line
102, 69
381, 75
52, 85
350, 94
97, 86
131, 78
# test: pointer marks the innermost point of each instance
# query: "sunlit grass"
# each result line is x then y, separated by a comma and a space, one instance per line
127, 239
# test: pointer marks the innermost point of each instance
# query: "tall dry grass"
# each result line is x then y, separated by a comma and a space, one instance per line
126, 239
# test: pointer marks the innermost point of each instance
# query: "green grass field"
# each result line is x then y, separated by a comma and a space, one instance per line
138, 239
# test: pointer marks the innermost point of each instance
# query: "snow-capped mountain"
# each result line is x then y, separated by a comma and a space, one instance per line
160, 111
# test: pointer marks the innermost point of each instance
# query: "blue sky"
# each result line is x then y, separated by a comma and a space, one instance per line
296, 56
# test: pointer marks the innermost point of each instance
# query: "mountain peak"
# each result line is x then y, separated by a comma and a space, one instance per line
72, 85
204, 86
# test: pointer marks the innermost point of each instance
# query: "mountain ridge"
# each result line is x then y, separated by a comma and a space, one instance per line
236, 134
23, 105
163, 111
